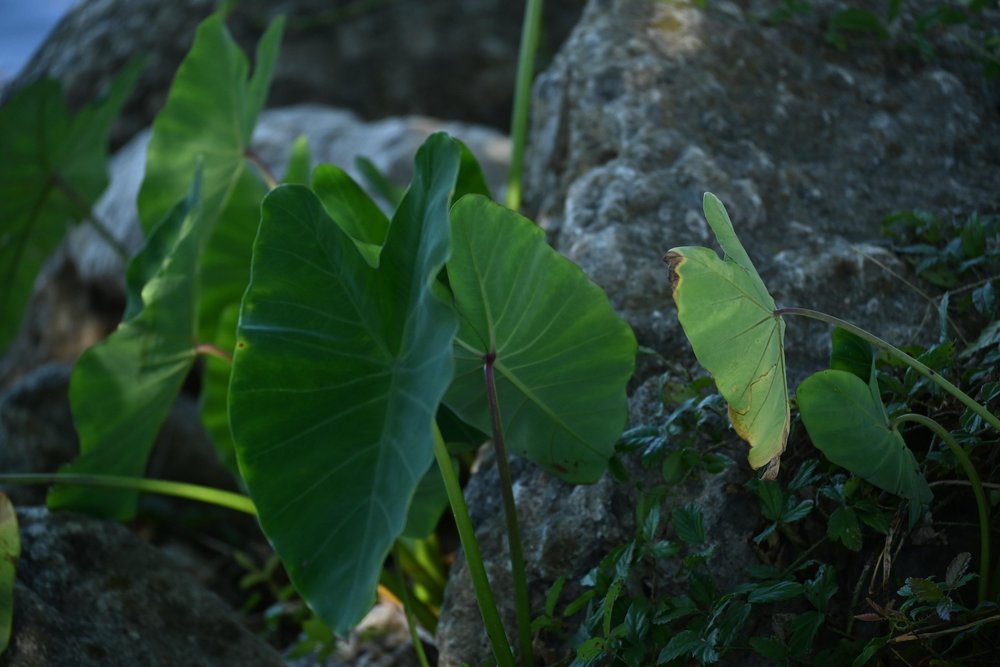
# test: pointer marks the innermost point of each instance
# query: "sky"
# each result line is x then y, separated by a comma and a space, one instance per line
23, 26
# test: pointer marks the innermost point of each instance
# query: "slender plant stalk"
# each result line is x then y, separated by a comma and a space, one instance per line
87, 214
521, 599
530, 29
977, 490
411, 621
208, 349
477, 572
894, 351
204, 494
269, 178
388, 583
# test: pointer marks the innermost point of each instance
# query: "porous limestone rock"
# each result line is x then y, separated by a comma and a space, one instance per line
90, 593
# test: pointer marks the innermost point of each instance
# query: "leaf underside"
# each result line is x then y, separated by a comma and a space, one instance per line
10, 550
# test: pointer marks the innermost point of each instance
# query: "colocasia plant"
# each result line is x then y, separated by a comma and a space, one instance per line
337, 338
737, 333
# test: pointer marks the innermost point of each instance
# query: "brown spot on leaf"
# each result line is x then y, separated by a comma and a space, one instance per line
673, 260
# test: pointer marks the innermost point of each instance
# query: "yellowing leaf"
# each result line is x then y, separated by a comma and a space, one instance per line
728, 315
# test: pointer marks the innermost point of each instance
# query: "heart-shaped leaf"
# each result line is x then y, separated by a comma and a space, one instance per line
338, 372
123, 387
729, 317
846, 420
53, 169
562, 355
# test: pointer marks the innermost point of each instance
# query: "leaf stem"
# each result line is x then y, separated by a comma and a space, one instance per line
88, 214
269, 179
521, 599
212, 350
894, 351
477, 572
977, 490
204, 494
530, 29
411, 621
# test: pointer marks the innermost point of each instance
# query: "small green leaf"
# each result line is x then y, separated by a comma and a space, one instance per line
776, 592
53, 169
956, 569
847, 422
843, 527
851, 353
772, 499
728, 315
552, 596
804, 629
685, 642
122, 388
770, 647
10, 550
688, 524
562, 356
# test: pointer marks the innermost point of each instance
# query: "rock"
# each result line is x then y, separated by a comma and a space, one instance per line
452, 58
566, 530
37, 435
90, 593
648, 105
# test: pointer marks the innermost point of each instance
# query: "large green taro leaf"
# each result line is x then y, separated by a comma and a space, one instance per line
729, 318
209, 116
563, 356
338, 372
122, 388
53, 167
10, 550
848, 422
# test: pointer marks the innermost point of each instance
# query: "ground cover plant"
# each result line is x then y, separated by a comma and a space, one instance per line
352, 356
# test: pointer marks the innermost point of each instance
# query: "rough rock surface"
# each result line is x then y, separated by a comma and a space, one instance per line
450, 58
89, 593
566, 530
650, 104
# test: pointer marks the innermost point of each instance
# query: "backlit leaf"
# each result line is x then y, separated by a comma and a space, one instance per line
728, 315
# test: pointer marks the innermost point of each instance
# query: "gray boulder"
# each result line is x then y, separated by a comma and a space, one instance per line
89, 593
450, 58
648, 105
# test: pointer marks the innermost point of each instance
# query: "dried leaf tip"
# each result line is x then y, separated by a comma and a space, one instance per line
673, 259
